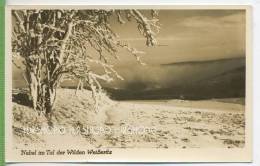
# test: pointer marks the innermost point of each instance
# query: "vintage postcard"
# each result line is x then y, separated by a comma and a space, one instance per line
128, 84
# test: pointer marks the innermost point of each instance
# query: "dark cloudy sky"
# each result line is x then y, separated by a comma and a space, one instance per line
185, 35
192, 35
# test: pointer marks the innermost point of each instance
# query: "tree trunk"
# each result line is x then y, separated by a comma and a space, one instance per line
42, 94
49, 99
33, 87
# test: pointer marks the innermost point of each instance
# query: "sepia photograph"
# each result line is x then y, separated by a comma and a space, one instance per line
101, 84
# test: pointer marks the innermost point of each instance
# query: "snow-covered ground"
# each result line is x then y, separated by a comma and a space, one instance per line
134, 124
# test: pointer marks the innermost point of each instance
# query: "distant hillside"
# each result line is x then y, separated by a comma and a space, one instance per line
224, 78
205, 62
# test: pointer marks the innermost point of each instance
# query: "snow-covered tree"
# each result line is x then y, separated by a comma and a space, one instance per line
55, 45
